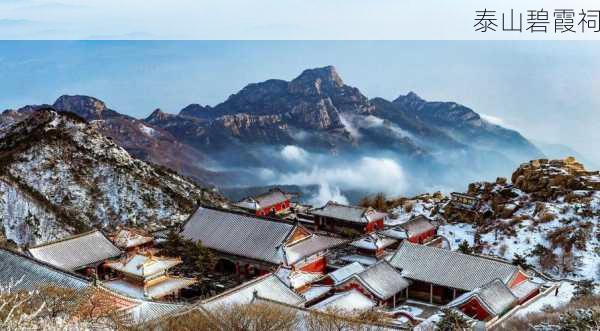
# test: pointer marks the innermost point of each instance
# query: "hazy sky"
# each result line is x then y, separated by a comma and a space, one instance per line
549, 91
264, 19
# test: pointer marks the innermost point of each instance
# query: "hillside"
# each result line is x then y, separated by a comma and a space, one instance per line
549, 216
59, 175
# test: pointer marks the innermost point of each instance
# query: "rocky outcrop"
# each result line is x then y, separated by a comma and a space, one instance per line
88, 108
547, 178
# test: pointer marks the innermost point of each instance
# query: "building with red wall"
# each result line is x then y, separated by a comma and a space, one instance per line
348, 220
440, 276
273, 202
418, 230
251, 246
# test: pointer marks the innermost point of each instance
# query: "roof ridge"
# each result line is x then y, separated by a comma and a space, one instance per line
237, 288
475, 256
241, 213
75, 236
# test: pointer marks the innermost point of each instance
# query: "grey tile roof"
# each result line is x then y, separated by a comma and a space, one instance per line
524, 289
28, 274
417, 225
238, 234
268, 199
382, 280
268, 286
76, 252
271, 198
309, 246
447, 268
147, 311
354, 214
345, 272
495, 296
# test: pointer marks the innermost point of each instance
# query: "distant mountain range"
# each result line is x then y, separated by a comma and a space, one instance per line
317, 113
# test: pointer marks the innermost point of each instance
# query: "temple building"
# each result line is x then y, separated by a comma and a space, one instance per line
418, 230
146, 276
348, 220
252, 246
380, 282
83, 253
440, 276
484, 303
131, 240
273, 202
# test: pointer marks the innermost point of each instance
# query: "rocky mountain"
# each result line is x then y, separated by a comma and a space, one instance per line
276, 111
315, 111
142, 140
321, 114
547, 216
321, 117
59, 175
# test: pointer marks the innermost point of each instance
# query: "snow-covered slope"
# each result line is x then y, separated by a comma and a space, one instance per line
58, 175
550, 217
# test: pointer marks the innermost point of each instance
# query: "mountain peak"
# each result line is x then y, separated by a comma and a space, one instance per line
316, 80
87, 107
158, 115
194, 110
411, 99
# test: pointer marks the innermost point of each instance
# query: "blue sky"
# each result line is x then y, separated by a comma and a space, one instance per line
547, 90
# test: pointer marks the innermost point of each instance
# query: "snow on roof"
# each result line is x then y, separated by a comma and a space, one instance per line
135, 311
396, 233
238, 234
129, 238
297, 279
347, 213
417, 225
77, 251
382, 280
265, 200
524, 289
309, 246
147, 311
495, 296
373, 241
143, 266
349, 301
448, 268
25, 273
166, 286
345, 272
268, 286
316, 291
362, 259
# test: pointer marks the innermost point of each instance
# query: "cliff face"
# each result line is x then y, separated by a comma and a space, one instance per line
59, 175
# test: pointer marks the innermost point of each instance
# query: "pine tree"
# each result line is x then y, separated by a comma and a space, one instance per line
452, 321
465, 248
519, 260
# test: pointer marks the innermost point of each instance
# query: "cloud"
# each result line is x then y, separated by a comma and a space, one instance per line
327, 193
376, 122
493, 119
349, 126
367, 174
294, 154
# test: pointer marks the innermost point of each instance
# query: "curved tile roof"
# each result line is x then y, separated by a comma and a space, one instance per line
75, 252
448, 268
